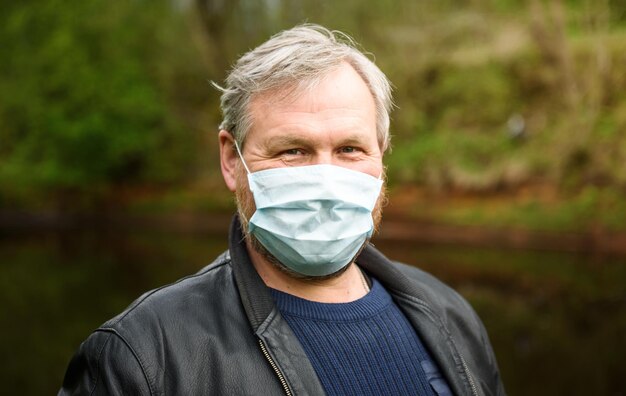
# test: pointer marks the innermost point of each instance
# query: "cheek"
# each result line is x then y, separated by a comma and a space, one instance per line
373, 168
372, 162
245, 200
241, 177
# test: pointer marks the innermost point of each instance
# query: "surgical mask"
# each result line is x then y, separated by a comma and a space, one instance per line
313, 219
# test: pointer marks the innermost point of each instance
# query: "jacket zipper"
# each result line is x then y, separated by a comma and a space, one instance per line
469, 375
280, 375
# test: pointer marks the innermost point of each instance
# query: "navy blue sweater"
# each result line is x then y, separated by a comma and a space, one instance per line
364, 347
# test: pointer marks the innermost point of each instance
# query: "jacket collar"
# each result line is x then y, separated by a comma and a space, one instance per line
257, 299
255, 296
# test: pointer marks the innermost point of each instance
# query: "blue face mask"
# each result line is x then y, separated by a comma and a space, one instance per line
313, 219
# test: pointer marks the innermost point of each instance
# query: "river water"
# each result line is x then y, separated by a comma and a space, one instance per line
557, 320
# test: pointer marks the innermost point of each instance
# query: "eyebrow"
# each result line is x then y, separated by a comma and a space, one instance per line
294, 140
286, 140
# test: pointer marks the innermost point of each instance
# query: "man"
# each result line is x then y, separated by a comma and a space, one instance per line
301, 304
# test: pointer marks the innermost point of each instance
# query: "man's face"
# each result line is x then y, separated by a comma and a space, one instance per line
334, 123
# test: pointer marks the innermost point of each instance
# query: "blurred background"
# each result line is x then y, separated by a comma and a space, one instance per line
507, 176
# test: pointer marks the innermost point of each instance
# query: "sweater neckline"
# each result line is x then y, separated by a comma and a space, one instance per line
375, 301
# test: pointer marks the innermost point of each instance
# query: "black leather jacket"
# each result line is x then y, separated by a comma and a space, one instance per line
218, 332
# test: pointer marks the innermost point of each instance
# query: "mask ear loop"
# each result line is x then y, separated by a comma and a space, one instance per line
241, 156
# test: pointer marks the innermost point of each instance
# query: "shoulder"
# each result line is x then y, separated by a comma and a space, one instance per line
105, 364
195, 309
165, 324
430, 287
176, 299
447, 304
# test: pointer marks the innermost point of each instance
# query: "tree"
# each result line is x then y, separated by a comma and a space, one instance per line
81, 109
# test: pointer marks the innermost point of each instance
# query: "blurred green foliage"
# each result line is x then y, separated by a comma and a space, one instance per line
493, 96
554, 68
83, 104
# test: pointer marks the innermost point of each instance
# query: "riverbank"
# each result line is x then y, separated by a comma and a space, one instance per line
535, 217
399, 225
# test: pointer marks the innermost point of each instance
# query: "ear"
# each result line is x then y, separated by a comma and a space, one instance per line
228, 159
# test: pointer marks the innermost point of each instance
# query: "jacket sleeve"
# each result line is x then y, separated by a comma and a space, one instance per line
496, 386
105, 365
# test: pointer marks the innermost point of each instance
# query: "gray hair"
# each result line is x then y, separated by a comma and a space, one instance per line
294, 61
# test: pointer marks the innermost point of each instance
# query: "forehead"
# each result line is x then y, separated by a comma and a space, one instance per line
339, 99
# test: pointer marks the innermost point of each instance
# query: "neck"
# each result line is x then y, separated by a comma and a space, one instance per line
346, 287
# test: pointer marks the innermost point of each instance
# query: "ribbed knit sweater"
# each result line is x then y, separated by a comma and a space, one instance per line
364, 347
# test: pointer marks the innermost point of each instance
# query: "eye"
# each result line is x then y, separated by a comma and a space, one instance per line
348, 150
293, 151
